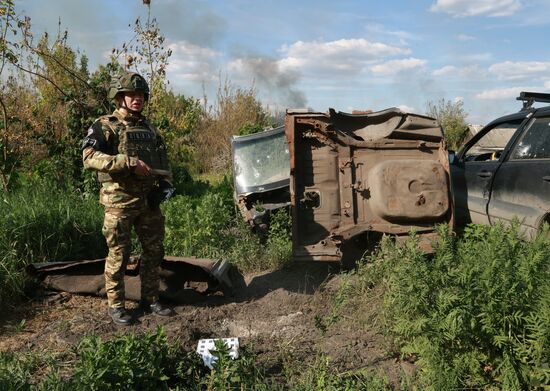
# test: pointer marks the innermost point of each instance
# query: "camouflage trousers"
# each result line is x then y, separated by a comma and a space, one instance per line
117, 229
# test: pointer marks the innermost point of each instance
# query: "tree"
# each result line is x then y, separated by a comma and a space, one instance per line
9, 21
46, 103
235, 110
452, 118
178, 117
145, 53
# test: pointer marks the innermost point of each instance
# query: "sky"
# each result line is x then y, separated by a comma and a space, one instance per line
347, 54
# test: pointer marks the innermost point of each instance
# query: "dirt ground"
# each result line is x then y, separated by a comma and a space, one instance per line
275, 316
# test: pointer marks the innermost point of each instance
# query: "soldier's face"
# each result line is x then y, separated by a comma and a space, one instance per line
134, 100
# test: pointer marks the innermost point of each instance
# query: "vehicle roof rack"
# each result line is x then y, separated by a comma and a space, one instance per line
529, 98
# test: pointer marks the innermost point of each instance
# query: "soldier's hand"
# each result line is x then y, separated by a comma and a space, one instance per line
142, 169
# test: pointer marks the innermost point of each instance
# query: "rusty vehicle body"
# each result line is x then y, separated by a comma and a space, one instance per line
261, 175
351, 174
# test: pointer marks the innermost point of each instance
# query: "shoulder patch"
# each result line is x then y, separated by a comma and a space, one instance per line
96, 127
107, 118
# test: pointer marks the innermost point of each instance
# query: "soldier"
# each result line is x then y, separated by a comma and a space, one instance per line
130, 157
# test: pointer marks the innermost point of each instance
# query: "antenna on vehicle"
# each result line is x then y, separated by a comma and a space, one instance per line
529, 98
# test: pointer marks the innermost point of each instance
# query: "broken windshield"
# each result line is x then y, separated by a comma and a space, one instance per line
261, 161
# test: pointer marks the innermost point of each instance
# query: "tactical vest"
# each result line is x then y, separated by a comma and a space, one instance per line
142, 142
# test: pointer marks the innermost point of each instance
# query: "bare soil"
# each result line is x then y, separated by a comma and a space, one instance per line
275, 316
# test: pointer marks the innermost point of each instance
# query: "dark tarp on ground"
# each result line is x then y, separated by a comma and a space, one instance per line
182, 279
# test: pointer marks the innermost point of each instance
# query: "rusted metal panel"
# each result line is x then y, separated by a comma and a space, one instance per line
385, 171
178, 276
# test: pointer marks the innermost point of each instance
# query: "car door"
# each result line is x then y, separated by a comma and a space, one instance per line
521, 188
476, 165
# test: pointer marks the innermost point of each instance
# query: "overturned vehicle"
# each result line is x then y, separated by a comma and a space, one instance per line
352, 177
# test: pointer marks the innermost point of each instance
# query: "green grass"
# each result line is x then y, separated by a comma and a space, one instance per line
42, 223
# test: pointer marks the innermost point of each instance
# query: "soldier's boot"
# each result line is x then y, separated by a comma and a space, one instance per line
120, 316
156, 308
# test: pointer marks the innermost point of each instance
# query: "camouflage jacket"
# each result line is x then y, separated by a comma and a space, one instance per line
120, 187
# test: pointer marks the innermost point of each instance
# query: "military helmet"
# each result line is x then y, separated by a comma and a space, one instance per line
128, 82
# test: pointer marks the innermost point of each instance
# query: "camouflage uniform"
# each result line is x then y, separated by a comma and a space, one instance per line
124, 197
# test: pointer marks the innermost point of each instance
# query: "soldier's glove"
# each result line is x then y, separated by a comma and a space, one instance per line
163, 192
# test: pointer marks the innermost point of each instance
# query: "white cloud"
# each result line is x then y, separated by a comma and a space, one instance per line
447, 70
192, 62
393, 67
463, 8
520, 70
476, 57
344, 56
377, 28
407, 109
467, 72
465, 37
503, 93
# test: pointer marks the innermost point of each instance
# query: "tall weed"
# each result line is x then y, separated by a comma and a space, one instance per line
279, 245
41, 222
476, 313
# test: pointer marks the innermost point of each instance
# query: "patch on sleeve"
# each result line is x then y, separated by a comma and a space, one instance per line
88, 142
95, 138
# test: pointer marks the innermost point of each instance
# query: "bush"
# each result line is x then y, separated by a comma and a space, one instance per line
128, 362
194, 222
235, 110
134, 362
452, 118
476, 314
279, 243
205, 224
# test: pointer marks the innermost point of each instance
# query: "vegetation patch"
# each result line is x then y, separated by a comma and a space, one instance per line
151, 362
475, 314
44, 222
201, 222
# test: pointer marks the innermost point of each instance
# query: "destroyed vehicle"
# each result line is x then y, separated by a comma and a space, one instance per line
503, 172
261, 175
352, 175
